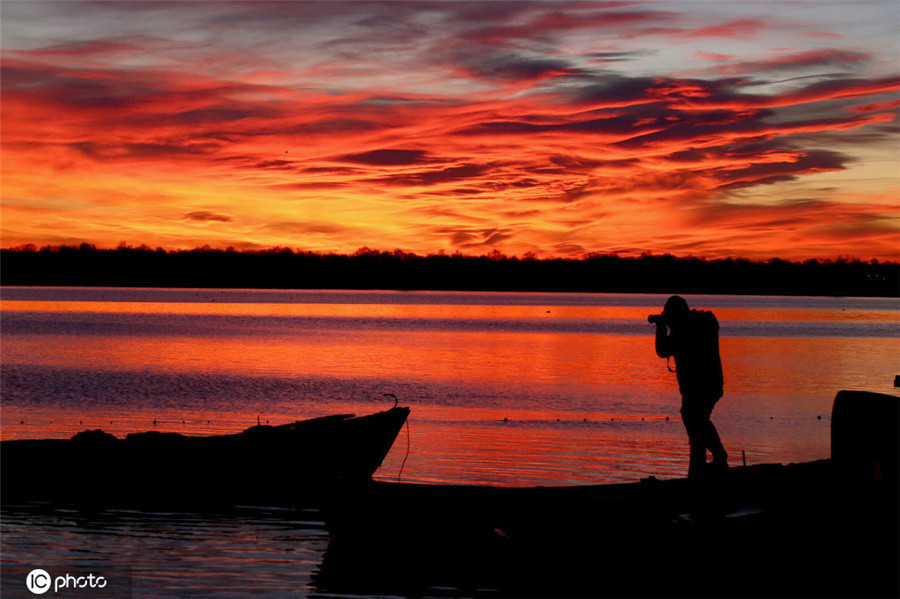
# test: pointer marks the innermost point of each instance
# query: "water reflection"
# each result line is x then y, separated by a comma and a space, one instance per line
207, 361
241, 554
505, 389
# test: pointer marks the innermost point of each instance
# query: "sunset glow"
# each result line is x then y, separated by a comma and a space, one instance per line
758, 130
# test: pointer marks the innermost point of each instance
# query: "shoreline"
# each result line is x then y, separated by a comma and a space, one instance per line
86, 266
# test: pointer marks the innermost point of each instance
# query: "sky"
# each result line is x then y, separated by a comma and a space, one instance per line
552, 129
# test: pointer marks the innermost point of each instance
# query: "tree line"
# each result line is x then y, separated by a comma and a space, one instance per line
285, 268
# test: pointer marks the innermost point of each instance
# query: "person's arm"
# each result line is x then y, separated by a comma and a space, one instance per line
663, 347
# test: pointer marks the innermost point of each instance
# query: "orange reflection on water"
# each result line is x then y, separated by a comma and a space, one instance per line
563, 359
510, 406
806, 315
520, 452
362, 310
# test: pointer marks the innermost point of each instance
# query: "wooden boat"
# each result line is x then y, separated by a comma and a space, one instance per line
824, 528
289, 465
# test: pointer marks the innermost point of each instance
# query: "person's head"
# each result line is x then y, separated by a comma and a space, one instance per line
676, 310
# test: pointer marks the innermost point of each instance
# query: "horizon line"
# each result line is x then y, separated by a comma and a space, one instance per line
494, 254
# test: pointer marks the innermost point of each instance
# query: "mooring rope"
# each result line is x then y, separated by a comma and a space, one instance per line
407, 452
405, 457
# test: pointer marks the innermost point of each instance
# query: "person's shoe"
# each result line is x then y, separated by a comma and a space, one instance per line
717, 468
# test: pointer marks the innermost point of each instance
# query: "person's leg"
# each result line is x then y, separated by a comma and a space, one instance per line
714, 444
694, 421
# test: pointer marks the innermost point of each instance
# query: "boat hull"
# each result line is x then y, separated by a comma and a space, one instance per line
290, 465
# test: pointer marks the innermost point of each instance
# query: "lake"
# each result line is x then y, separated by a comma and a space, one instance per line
508, 389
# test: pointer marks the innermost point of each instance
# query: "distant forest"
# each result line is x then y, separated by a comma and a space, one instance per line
284, 268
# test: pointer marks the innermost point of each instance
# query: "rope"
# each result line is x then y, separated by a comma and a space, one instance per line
405, 457
407, 452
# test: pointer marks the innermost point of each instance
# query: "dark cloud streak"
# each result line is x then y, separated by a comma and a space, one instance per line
387, 157
207, 216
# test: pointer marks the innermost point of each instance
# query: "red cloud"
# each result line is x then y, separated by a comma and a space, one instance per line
816, 92
80, 50
740, 29
561, 21
713, 56
876, 106
518, 137
811, 59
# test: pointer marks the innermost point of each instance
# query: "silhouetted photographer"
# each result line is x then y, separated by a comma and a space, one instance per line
692, 338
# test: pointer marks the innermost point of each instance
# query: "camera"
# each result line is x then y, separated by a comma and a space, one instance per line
656, 319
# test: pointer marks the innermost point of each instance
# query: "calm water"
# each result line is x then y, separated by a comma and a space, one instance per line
507, 389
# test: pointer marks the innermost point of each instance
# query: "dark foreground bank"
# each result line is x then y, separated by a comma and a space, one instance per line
282, 268
827, 528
